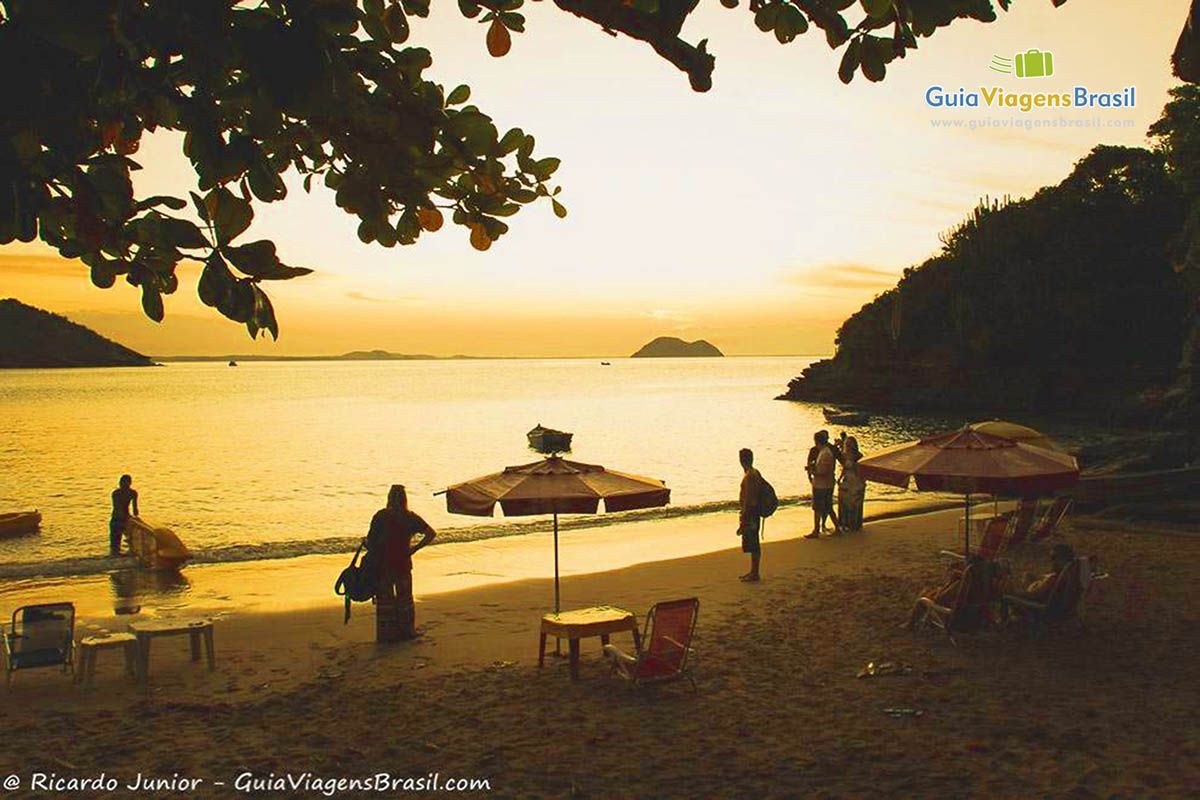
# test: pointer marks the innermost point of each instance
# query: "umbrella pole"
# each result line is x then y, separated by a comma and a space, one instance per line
557, 609
967, 546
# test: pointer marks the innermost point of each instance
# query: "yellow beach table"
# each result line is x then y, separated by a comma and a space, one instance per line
582, 623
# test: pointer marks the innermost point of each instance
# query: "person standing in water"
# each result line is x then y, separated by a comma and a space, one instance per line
390, 538
122, 497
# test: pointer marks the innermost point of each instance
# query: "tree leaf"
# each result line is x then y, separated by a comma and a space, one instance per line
214, 282
173, 203
499, 42
877, 9
460, 95
430, 218
560, 210
544, 168
231, 215
152, 302
479, 238
258, 260
850, 61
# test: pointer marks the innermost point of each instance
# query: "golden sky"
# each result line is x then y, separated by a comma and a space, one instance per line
758, 215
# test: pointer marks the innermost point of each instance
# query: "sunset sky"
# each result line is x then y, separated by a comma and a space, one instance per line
758, 215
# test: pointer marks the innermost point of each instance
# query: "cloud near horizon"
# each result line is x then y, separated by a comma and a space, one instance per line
842, 276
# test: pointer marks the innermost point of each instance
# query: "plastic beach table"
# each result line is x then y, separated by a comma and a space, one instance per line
581, 623
148, 630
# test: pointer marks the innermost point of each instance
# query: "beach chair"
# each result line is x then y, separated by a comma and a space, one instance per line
1022, 522
1048, 524
40, 636
1066, 599
665, 651
970, 612
992, 542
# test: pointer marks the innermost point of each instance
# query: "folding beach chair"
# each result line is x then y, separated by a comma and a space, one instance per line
40, 636
1022, 522
665, 648
1066, 599
993, 541
970, 611
1048, 524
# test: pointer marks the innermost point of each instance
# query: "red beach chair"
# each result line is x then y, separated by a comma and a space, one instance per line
970, 610
1022, 522
666, 645
1066, 599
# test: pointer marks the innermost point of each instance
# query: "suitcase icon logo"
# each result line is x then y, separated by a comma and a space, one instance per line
1035, 64
1030, 64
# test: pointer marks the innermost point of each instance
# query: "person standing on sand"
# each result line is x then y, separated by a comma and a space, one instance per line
122, 497
852, 488
749, 520
822, 473
390, 538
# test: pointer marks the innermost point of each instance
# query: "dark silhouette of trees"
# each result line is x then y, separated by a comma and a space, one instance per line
1032, 302
327, 88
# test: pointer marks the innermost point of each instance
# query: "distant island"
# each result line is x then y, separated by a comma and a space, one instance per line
670, 347
31, 338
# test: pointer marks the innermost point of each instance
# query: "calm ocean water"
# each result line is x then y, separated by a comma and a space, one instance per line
288, 458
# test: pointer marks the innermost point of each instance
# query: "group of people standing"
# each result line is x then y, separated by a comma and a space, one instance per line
823, 461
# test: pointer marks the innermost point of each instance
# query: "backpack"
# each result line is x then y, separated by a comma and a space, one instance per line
768, 501
358, 582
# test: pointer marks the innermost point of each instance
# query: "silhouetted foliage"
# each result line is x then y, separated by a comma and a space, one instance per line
322, 87
1074, 280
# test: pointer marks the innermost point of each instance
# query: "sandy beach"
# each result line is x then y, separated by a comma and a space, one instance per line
778, 711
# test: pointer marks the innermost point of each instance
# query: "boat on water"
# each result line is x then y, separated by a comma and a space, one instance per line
606, 363
232, 363
155, 547
837, 416
548, 440
1123, 487
18, 523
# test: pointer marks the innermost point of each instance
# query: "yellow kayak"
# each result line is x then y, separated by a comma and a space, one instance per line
155, 547
19, 522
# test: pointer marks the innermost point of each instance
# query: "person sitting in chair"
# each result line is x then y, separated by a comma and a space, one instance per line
947, 594
1060, 558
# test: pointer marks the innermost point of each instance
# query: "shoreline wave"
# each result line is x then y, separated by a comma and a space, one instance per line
334, 545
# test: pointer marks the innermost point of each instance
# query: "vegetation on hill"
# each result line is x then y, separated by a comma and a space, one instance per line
1075, 298
671, 347
30, 337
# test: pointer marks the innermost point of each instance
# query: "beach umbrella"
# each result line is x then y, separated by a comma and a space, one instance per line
970, 461
555, 486
1018, 433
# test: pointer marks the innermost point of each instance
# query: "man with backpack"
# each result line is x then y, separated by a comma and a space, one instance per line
756, 500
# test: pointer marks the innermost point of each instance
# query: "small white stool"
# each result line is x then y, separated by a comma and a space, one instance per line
89, 646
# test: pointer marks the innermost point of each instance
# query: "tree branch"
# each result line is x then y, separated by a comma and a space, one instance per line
659, 30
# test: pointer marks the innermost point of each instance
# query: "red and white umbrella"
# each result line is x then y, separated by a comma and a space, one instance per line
971, 461
555, 486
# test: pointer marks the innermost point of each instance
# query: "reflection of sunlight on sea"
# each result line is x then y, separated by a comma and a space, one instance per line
278, 459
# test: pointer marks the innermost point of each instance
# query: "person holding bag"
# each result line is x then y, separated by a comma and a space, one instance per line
390, 539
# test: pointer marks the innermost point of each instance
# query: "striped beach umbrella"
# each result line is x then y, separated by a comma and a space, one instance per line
555, 486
